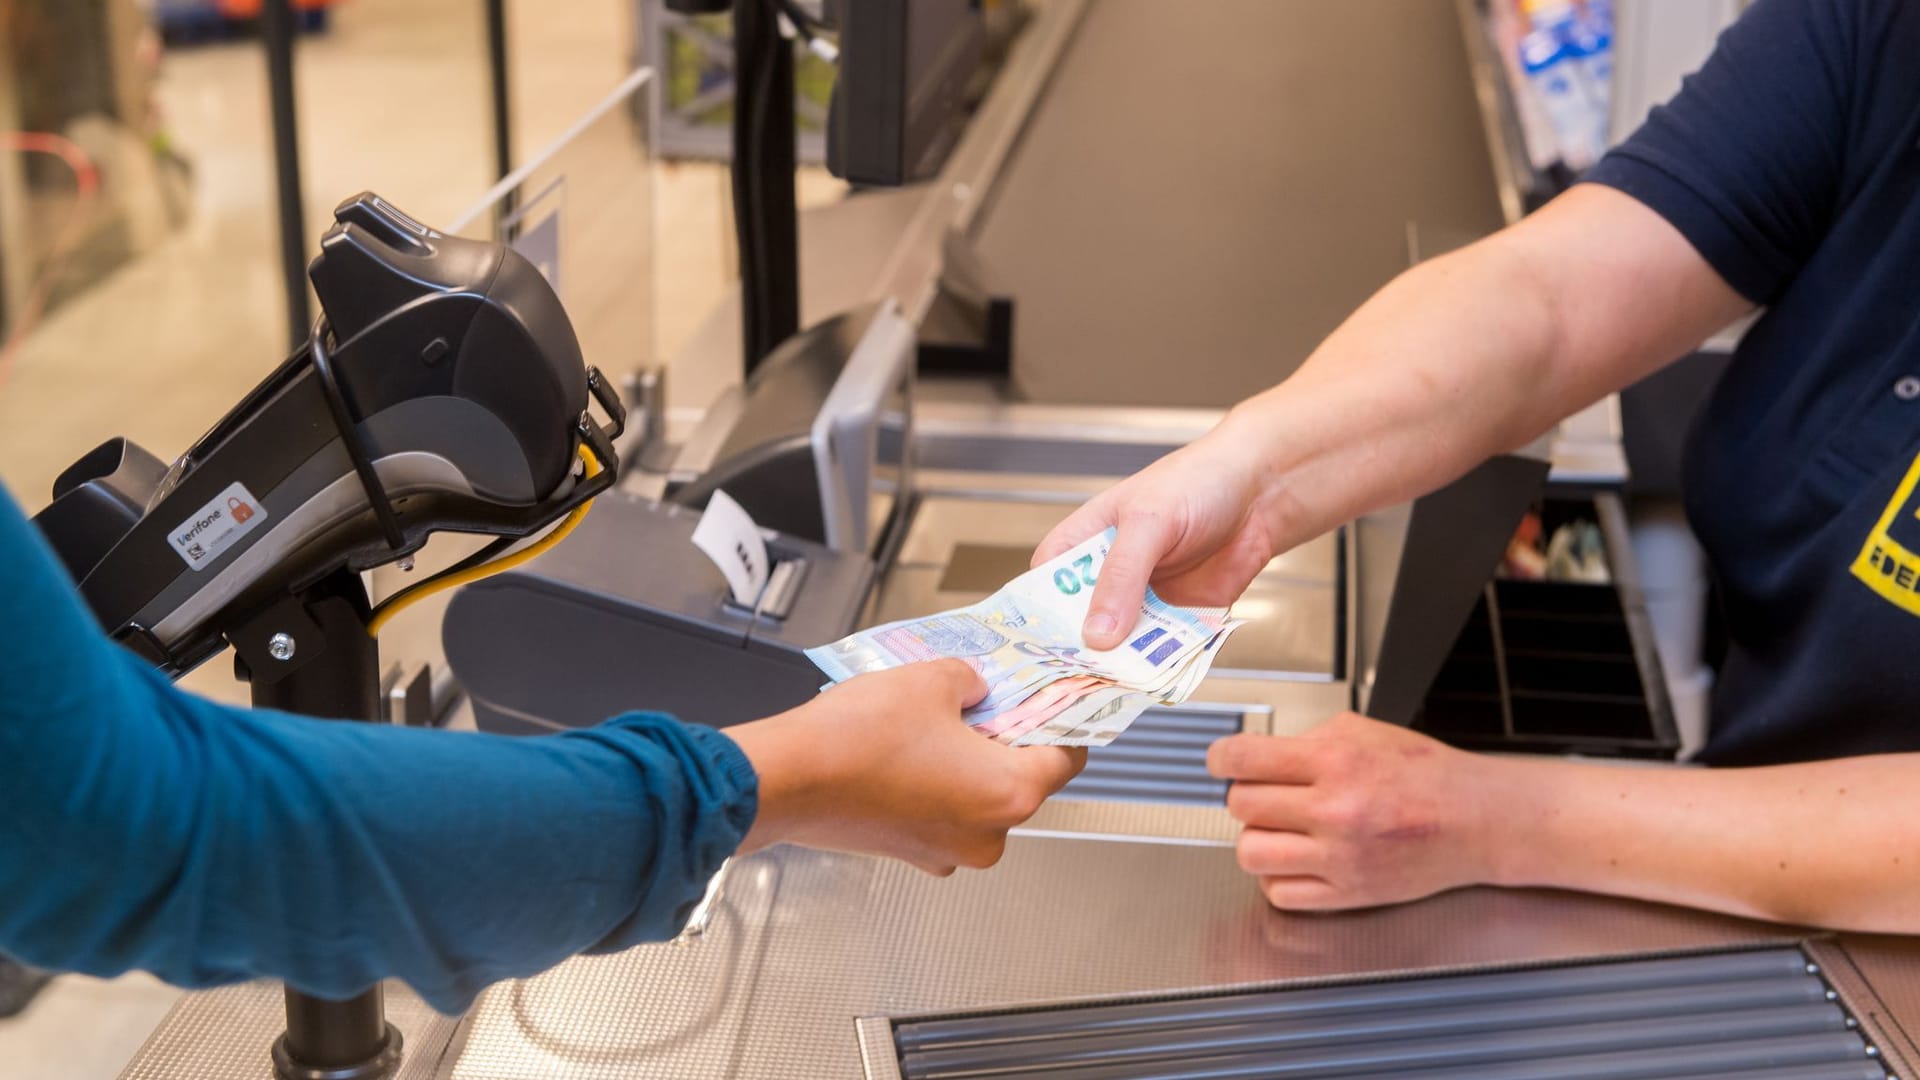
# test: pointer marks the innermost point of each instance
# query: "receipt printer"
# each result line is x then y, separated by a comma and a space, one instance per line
630, 614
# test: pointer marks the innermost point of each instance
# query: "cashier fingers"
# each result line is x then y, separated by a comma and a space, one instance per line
1356, 813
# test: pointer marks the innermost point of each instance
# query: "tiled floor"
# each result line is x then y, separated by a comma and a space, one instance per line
392, 99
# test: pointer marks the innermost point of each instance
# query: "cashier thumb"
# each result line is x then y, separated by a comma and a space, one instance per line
1139, 544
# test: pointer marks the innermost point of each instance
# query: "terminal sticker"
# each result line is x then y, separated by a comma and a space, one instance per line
1889, 562
217, 526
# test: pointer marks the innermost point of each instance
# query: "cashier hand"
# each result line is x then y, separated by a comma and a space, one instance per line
1200, 523
883, 765
1355, 813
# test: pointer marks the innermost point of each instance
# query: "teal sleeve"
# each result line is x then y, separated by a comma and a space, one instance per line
142, 827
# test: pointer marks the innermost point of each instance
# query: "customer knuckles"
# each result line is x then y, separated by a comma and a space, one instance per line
1025, 804
931, 678
984, 852
1006, 801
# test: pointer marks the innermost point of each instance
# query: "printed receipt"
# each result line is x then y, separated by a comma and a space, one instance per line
730, 538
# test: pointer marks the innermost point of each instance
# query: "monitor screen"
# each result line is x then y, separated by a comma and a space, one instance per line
900, 102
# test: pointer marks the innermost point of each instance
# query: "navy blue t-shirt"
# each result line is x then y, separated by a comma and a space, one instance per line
1791, 161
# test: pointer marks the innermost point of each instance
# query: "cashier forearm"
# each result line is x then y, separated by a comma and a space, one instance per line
1476, 353
1833, 844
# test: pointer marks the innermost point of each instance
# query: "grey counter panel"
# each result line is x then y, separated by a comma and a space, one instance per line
1207, 189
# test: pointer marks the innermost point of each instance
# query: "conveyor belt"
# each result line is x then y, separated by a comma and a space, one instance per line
1162, 759
1762, 1015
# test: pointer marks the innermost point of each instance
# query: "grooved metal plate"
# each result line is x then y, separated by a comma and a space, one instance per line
1162, 759
1879, 979
678, 1009
1725, 1013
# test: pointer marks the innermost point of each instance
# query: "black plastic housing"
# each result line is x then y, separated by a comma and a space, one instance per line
900, 102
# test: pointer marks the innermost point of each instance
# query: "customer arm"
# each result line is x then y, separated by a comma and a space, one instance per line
143, 827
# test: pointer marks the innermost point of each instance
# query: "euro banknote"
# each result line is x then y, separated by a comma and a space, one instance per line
1044, 684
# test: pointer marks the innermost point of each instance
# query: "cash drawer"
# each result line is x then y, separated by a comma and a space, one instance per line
1557, 666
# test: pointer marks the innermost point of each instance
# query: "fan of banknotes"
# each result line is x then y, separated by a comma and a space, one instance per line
1045, 687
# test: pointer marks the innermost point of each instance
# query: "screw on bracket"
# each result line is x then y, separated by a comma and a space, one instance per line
280, 647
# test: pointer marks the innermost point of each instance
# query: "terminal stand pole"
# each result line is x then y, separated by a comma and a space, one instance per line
277, 32
766, 217
338, 680
497, 67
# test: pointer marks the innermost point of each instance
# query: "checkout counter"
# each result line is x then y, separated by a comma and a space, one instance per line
1118, 938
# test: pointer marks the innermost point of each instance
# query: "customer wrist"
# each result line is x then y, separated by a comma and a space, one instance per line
792, 771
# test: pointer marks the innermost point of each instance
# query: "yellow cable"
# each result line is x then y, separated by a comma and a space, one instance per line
406, 598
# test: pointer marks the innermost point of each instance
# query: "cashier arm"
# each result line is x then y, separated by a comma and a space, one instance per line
1461, 358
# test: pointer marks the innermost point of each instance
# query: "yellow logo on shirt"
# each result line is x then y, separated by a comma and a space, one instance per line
1888, 562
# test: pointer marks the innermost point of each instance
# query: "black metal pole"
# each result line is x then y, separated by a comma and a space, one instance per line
765, 214
338, 678
276, 30
502, 104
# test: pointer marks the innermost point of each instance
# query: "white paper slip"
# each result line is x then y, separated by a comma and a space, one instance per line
730, 538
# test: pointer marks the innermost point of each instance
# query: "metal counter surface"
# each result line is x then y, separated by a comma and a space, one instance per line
806, 944
852, 938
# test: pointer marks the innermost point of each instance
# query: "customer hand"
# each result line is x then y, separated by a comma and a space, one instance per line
882, 764
1196, 523
1356, 813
